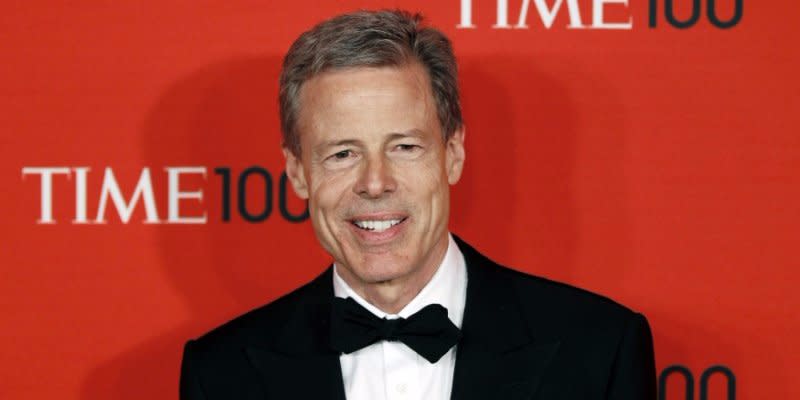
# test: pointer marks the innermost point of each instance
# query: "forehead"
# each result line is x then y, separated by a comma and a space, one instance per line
409, 79
366, 99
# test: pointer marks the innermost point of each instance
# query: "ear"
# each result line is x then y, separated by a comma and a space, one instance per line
454, 155
295, 173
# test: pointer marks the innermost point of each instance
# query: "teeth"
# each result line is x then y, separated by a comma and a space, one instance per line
377, 226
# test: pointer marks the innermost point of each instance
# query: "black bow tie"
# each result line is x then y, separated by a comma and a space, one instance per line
428, 332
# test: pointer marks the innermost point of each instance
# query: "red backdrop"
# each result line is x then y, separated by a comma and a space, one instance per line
657, 165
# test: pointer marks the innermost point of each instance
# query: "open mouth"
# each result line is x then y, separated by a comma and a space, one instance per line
377, 225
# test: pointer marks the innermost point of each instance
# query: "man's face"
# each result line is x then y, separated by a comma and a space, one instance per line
376, 171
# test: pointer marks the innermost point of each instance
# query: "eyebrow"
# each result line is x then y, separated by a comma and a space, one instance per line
333, 143
414, 132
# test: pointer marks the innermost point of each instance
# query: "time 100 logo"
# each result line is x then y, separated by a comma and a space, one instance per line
722, 14
711, 13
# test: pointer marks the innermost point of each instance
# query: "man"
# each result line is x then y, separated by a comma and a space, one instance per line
373, 138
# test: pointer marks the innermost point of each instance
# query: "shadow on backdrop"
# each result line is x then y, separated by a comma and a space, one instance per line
520, 157
224, 115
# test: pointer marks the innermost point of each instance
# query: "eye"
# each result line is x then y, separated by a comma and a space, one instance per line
407, 147
342, 154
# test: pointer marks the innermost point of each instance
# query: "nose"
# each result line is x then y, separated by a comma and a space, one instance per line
376, 178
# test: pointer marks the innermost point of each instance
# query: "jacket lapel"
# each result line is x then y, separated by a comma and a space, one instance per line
499, 357
299, 363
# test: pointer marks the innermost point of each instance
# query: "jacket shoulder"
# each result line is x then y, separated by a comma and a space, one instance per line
221, 361
558, 308
566, 305
556, 300
261, 325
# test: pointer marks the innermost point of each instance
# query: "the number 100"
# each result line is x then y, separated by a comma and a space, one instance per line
711, 14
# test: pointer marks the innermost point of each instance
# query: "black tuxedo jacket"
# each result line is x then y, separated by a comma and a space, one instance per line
524, 337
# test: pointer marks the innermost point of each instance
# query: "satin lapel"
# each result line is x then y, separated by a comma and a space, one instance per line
499, 356
299, 363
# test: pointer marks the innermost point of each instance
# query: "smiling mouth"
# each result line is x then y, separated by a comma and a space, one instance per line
377, 225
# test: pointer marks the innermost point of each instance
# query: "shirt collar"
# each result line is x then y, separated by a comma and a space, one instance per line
447, 287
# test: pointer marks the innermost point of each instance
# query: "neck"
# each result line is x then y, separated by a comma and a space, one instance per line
393, 295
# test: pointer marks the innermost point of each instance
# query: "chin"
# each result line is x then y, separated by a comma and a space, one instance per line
376, 272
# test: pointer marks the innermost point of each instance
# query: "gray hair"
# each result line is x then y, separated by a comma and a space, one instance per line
369, 39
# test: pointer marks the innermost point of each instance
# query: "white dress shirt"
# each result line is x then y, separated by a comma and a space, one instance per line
391, 370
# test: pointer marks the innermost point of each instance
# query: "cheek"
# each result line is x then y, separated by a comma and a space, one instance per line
441, 191
323, 211
327, 193
431, 191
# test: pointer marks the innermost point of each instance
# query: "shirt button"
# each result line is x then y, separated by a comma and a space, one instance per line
401, 388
